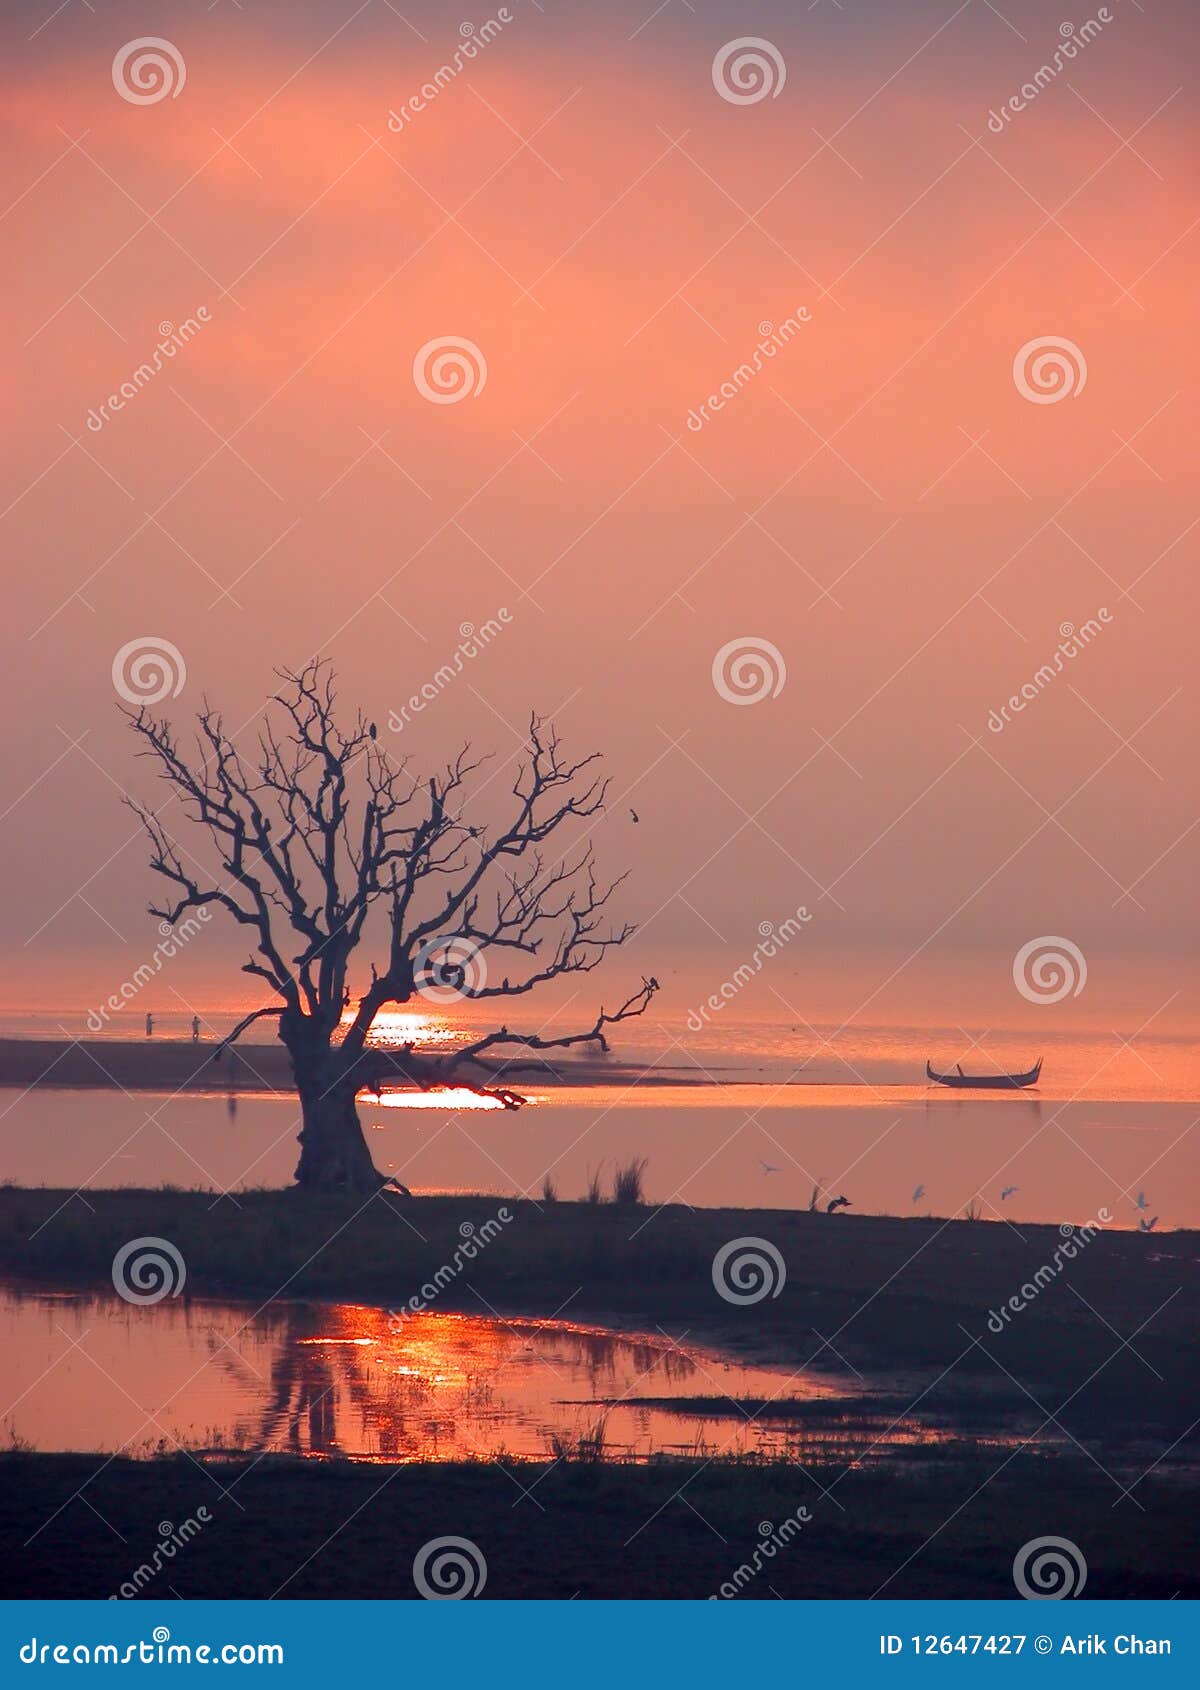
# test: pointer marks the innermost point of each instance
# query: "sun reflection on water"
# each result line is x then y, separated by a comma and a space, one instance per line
406, 1027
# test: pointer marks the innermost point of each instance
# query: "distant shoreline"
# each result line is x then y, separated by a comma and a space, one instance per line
175, 1065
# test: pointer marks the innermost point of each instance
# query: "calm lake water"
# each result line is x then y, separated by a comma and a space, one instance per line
91, 1372
772, 1109
734, 1145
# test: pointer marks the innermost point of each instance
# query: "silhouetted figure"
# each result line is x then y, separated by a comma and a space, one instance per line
195, 1028
149, 1026
635, 815
836, 1203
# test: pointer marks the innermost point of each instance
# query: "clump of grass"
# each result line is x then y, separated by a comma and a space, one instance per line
973, 1210
593, 1194
585, 1449
549, 1189
627, 1186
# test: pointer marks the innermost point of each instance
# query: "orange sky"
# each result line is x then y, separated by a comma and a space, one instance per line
583, 206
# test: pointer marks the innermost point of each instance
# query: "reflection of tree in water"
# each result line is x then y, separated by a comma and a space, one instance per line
351, 1380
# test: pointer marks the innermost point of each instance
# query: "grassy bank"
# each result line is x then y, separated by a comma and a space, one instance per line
897, 1297
676, 1530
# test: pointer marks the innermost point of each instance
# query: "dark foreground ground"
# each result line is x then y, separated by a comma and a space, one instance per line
676, 1530
1103, 1359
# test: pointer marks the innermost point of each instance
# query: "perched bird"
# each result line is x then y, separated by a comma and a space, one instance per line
918, 1194
373, 731
1141, 1199
767, 1167
1008, 1191
1148, 1226
635, 815
836, 1203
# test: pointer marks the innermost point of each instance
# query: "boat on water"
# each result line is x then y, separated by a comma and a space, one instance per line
985, 1082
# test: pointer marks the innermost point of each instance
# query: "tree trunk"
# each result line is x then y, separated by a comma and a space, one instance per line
333, 1151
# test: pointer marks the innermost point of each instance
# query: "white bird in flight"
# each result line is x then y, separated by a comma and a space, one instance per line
1141, 1199
1008, 1191
918, 1194
1148, 1226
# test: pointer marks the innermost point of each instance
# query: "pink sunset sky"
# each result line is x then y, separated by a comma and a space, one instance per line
882, 504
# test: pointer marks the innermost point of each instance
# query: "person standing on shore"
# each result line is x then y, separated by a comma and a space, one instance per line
195, 1028
149, 1025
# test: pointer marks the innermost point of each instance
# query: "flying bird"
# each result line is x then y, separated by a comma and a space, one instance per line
1007, 1192
836, 1203
1148, 1226
767, 1167
1141, 1199
635, 815
918, 1194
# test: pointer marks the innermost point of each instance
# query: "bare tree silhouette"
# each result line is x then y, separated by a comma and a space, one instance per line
317, 831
